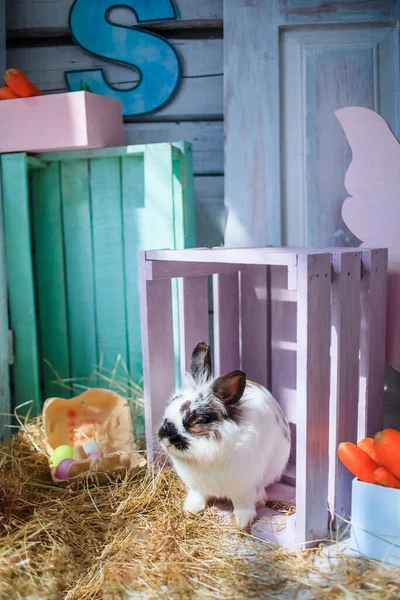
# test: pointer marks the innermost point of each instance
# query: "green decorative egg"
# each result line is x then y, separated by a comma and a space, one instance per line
60, 453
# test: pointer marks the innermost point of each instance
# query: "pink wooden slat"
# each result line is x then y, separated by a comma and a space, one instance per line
226, 323
295, 249
283, 342
285, 256
289, 475
158, 350
284, 347
292, 270
372, 342
313, 382
255, 256
193, 316
157, 269
255, 327
345, 344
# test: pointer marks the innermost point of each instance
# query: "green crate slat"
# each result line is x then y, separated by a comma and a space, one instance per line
50, 278
134, 227
5, 403
17, 224
78, 244
105, 188
183, 181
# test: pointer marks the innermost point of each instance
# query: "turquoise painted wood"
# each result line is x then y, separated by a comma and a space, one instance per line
5, 404
135, 228
22, 301
108, 263
50, 281
79, 268
90, 213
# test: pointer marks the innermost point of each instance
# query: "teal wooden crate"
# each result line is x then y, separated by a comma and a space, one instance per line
5, 404
5, 407
74, 222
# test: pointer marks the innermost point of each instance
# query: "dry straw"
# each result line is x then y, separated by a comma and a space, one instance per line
86, 542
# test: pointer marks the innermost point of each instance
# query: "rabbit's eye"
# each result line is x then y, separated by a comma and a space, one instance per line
195, 421
204, 419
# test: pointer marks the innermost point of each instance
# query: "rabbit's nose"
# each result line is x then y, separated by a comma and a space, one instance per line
167, 430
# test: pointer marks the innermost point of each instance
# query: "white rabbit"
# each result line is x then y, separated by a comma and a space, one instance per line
226, 438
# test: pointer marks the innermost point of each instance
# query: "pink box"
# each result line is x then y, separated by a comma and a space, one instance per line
68, 121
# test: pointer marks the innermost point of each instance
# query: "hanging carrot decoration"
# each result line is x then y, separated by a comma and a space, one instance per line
357, 461
387, 448
19, 83
7, 94
368, 445
384, 477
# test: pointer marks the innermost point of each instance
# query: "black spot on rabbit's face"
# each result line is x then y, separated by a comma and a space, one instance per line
205, 415
168, 431
210, 403
201, 417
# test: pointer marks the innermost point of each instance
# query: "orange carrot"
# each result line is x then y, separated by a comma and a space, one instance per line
19, 83
387, 448
7, 94
357, 461
384, 477
368, 445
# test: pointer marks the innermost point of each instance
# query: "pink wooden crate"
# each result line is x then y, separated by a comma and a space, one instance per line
307, 323
60, 122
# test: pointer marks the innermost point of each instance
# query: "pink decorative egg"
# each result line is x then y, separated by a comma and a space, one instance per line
95, 455
63, 468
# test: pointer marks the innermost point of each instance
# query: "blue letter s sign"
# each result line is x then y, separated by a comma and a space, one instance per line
149, 54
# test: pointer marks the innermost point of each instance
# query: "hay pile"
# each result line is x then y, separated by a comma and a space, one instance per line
85, 542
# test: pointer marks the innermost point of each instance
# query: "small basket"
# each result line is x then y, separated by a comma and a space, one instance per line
97, 414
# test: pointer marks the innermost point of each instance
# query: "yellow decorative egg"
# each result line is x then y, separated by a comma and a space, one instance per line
60, 453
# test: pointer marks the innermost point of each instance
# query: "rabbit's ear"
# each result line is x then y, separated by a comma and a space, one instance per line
230, 387
200, 363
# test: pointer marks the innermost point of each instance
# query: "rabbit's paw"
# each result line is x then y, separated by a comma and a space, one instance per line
194, 503
244, 517
262, 498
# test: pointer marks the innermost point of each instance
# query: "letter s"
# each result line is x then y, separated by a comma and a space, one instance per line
149, 54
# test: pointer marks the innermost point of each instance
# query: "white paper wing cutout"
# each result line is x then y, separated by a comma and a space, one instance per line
372, 212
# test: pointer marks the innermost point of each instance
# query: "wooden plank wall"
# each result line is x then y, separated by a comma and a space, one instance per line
38, 42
